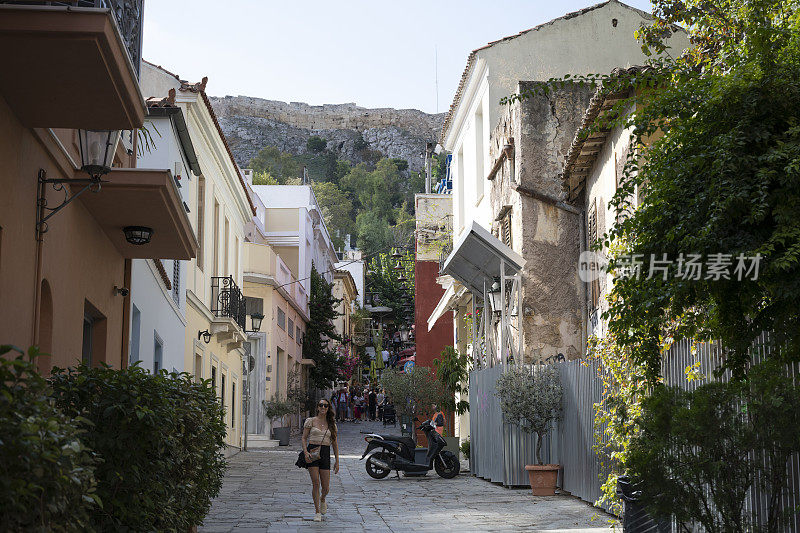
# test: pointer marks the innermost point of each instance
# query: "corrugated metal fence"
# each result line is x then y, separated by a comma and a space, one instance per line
500, 451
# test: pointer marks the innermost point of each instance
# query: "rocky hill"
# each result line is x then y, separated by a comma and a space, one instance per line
252, 123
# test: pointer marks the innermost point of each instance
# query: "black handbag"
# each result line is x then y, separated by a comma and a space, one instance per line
315, 454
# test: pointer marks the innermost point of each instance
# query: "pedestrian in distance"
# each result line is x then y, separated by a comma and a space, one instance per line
319, 436
373, 404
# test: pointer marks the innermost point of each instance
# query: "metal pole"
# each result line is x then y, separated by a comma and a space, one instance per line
246, 408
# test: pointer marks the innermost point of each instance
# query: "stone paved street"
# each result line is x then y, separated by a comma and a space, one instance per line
264, 491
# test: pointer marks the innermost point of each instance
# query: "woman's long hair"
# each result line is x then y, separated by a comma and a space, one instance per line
330, 418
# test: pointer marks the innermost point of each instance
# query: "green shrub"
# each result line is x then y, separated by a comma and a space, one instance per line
160, 437
47, 481
465, 448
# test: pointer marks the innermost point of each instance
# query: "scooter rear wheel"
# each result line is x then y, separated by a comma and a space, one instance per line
446, 465
376, 471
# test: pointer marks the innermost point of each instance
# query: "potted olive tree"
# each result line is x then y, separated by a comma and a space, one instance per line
531, 398
452, 371
277, 408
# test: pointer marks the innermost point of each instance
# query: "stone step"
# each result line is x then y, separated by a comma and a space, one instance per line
260, 441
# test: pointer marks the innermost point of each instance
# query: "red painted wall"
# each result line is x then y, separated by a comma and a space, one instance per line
430, 343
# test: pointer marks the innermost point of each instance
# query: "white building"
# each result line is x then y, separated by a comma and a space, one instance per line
158, 296
352, 262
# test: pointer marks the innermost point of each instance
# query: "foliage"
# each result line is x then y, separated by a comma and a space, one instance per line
316, 144
624, 388
280, 165
160, 438
382, 280
723, 178
336, 209
414, 392
465, 448
48, 481
359, 143
452, 370
703, 450
297, 393
278, 408
316, 346
439, 166
531, 397
264, 178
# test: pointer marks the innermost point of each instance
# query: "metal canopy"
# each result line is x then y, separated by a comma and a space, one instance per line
478, 256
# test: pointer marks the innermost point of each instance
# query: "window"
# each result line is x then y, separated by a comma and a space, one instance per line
281, 319
215, 266
93, 346
226, 271
297, 335
136, 326
158, 353
592, 237
235, 272
505, 230
480, 171
198, 367
233, 404
213, 377
176, 282
291, 329
222, 391
201, 214
461, 192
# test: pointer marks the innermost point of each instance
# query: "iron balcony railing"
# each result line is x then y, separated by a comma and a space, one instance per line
443, 253
127, 14
227, 300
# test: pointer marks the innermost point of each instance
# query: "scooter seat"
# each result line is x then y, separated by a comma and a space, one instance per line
408, 441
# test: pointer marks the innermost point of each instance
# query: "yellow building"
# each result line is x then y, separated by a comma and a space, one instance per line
219, 208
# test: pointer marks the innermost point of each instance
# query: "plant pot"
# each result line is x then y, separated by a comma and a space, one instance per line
453, 445
543, 479
282, 435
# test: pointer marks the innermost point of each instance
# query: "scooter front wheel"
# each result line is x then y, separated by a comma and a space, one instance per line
447, 465
376, 471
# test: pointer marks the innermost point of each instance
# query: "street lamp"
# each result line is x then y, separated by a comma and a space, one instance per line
138, 235
255, 319
496, 295
206, 336
97, 150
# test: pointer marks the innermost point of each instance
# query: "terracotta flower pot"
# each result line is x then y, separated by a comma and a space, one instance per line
543, 479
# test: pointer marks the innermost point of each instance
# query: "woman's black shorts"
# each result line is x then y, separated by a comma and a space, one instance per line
324, 461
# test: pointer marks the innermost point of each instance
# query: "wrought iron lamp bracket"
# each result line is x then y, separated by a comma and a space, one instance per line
44, 213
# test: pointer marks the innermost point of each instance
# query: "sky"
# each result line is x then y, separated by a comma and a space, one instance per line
376, 53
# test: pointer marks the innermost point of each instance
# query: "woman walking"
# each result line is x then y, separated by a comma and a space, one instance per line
319, 435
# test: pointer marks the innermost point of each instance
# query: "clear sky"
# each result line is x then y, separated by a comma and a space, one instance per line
377, 53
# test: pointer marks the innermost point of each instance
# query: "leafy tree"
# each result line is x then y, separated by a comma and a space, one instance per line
414, 392
264, 178
359, 143
452, 370
337, 209
382, 281
320, 330
281, 165
401, 164
316, 144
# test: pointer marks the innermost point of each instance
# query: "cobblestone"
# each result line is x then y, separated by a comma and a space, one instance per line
264, 492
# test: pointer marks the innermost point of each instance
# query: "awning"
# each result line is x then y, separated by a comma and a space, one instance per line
67, 67
142, 197
477, 257
448, 300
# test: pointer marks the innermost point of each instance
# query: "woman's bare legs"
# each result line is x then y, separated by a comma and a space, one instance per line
314, 472
325, 480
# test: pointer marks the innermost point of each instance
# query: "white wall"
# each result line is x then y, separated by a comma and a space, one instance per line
588, 43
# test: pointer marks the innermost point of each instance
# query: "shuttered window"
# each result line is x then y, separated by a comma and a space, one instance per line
505, 230
592, 237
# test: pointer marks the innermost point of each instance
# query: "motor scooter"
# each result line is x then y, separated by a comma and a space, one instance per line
385, 453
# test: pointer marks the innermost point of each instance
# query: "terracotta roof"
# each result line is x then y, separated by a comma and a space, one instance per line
471, 60
167, 101
200, 87
163, 273
587, 144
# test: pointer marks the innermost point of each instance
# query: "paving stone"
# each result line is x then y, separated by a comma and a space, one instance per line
264, 492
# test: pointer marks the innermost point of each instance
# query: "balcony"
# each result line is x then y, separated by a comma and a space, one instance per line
75, 64
263, 265
228, 308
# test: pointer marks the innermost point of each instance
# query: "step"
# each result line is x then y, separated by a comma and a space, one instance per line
261, 441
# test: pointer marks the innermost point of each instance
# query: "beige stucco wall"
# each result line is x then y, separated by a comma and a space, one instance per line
78, 261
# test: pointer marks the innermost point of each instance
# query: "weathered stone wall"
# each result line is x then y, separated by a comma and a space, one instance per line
545, 231
252, 123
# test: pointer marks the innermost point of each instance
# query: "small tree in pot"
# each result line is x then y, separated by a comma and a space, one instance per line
531, 398
277, 408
